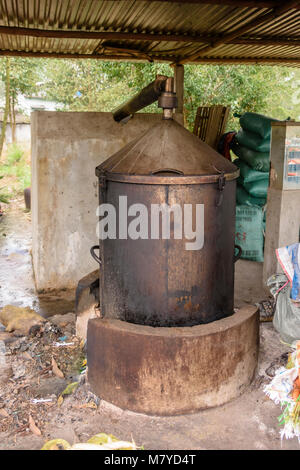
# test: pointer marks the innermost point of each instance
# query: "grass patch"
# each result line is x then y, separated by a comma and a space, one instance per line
14, 154
3, 194
15, 172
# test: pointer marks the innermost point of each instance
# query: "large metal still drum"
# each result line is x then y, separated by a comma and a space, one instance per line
159, 282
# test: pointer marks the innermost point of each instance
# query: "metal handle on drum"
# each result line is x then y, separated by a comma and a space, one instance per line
237, 257
92, 251
167, 170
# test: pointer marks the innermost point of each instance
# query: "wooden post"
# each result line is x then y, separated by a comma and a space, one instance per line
179, 86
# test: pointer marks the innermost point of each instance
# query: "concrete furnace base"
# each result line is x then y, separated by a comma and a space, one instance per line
168, 371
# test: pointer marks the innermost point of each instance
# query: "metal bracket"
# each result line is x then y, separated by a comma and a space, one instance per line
102, 181
221, 186
102, 188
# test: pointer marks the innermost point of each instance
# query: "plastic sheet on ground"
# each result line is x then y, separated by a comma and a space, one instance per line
287, 314
289, 259
280, 391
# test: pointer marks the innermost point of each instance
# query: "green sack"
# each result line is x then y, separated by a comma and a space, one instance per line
253, 141
257, 188
257, 123
244, 198
259, 161
249, 233
248, 174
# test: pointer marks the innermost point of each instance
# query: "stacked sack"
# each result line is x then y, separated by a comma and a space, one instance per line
252, 147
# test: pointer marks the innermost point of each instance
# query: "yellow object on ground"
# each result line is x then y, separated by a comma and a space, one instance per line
100, 441
19, 319
56, 444
67, 391
102, 438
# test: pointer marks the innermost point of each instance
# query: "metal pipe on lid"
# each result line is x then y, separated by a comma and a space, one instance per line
161, 89
168, 100
145, 97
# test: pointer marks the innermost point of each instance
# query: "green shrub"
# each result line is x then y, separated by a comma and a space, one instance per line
3, 196
17, 172
14, 154
23, 173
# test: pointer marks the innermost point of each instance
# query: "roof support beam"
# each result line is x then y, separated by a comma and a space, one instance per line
293, 61
105, 35
267, 41
247, 60
68, 55
172, 37
234, 3
264, 18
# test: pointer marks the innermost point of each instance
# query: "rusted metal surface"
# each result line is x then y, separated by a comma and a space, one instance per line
167, 146
87, 302
159, 282
90, 282
168, 371
160, 31
168, 100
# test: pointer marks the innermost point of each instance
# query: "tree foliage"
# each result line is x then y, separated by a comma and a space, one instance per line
94, 85
243, 88
23, 79
104, 85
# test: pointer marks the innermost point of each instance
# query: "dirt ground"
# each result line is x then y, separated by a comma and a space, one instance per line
248, 422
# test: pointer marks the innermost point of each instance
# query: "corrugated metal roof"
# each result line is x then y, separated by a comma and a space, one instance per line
192, 31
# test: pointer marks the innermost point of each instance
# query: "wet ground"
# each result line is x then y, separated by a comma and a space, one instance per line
16, 274
248, 422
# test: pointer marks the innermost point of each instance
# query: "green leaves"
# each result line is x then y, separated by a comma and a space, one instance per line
102, 85
3, 198
24, 75
243, 88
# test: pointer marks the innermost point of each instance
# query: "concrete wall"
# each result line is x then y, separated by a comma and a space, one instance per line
66, 148
23, 135
283, 204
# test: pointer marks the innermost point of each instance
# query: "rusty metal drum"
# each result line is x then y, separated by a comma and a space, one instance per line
159, 282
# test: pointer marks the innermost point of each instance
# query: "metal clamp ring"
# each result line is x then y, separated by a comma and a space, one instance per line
237, 257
